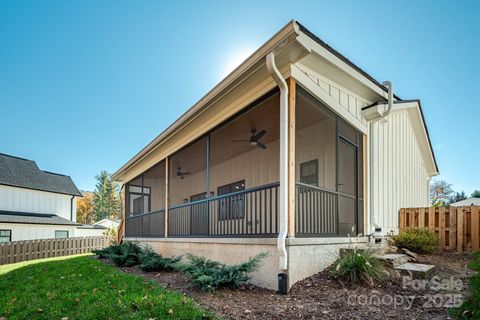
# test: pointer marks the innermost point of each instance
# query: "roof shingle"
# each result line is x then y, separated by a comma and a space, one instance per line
23, 173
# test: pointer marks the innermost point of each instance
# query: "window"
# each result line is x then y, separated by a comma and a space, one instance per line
231, 207
61, 234
309, 172
5, 235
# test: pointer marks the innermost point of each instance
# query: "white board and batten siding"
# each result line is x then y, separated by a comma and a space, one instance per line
400, 177
28, 200
36, 231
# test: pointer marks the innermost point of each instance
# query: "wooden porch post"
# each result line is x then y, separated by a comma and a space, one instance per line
291, 156
167, 161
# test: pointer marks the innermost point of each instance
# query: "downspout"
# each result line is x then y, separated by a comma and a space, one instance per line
71, 208
389, 86
283, 219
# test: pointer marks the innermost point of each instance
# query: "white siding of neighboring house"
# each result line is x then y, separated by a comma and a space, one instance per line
400, 177
27, 200
81, 232
35, 231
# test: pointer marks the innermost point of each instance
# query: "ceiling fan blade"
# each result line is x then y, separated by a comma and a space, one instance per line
258, 135
185, 173
239, 140
261, 145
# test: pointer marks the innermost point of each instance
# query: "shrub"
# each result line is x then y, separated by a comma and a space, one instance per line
416, 240
470, 308
209, 275
126, 254
151, 261
359, 266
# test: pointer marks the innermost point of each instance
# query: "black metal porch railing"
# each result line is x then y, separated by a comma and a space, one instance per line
247, 213
147, 225
316, 212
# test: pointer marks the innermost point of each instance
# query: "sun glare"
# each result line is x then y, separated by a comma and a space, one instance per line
235, 59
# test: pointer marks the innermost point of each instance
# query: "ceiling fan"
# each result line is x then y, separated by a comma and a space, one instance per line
181, 174
254, 137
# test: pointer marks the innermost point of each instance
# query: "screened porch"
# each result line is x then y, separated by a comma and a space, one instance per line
226, 184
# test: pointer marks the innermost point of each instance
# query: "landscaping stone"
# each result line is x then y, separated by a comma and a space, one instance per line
393, 259
413, 256
417, 270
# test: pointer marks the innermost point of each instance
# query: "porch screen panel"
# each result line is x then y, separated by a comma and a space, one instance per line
244, 155
328, 171
315, 168
187, 191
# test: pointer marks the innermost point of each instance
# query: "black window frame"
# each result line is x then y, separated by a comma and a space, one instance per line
231, 207
308, 163
9, 236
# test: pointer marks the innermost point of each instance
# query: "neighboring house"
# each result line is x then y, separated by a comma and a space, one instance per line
108, 223
35, 204
298, 152
466, 202
89, 230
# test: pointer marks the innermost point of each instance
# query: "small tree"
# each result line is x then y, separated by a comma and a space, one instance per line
85, 208
476, 194
458, 196
106, 202
440, 193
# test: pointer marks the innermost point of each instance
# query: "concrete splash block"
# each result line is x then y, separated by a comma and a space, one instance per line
417, 270
393, 259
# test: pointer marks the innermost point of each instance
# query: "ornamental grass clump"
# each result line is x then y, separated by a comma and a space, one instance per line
359, 266
151, 261
209, 275
416, 240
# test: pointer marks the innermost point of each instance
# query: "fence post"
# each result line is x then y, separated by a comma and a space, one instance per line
460, 229
474, 226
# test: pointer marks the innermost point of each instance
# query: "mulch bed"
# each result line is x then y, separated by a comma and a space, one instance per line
319, 297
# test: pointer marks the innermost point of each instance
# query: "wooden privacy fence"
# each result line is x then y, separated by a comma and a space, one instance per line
456, 227
18, 251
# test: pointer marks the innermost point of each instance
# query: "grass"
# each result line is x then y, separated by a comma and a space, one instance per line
80, 287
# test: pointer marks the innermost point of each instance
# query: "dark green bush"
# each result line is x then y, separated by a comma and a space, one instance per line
359, 266
210, 275
416, 240
151, 261
126, 254
470, 308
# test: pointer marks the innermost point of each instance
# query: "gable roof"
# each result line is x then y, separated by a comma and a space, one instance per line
281, 42
417, 104
24, 173
34, 218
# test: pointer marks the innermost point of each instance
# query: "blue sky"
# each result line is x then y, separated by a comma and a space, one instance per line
85, 84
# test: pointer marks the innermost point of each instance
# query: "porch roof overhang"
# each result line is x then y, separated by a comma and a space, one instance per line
414, 108
291, 44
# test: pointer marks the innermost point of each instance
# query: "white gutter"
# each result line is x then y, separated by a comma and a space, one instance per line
283, 219
388, 84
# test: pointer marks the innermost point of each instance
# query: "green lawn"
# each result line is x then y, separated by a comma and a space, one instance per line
79, 287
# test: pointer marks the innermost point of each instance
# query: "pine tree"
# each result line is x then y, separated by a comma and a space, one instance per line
105, 200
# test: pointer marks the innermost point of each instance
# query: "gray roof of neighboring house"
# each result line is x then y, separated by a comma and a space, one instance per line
467, 202
34, 218
24, 173
91, 226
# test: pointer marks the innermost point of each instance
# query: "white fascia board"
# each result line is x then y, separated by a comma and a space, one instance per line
325, 98
314, 47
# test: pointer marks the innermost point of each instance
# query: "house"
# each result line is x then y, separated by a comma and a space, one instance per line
466, 202
108, 223
298, 152
35, 204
